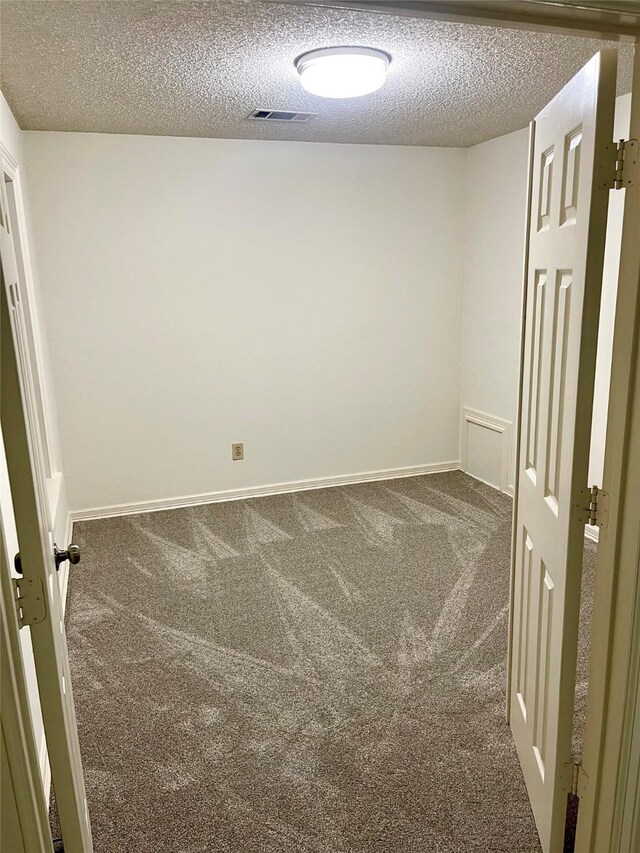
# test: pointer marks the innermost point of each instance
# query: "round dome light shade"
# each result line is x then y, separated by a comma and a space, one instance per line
343, 72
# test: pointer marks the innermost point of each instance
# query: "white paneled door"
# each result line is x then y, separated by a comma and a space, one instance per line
566, 237
39, 593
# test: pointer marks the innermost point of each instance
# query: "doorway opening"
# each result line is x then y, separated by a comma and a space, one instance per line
308, 667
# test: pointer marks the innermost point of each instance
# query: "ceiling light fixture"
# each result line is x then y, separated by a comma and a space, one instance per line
343, 72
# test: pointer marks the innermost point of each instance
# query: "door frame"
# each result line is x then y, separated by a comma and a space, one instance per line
564, 17
613, 722
612, 725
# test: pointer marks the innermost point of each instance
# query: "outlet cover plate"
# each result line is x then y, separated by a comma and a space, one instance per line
237, 451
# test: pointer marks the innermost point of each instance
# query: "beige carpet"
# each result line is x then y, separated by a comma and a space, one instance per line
320, 672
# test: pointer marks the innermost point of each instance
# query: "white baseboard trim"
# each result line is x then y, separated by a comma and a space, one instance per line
591, 532
263, 491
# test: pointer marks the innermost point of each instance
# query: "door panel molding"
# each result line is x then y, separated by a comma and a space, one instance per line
563, 283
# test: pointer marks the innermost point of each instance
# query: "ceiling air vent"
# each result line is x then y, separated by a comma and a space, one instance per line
280, 115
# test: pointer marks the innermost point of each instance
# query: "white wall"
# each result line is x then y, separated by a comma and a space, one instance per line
302, 298
306, 299
495, 222
495, 226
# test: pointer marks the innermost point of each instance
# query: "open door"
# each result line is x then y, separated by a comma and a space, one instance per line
39, 603
571, 148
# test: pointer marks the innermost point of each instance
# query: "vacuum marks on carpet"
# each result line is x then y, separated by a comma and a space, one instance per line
320, 672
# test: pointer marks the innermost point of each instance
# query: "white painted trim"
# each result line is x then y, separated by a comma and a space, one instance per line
564, 17
614, 673
496, 424
263, 491
475, 416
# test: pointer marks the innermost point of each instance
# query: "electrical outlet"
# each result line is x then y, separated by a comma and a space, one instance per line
237, 451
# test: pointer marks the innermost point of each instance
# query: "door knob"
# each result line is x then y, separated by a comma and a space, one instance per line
72, 554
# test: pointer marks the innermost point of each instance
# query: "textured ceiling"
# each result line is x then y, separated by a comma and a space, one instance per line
198, 68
